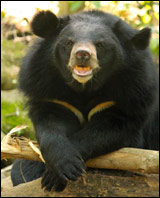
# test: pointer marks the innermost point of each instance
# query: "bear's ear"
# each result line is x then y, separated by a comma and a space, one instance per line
45, 24
141, 39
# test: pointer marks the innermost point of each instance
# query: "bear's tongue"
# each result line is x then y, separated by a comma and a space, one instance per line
82, 70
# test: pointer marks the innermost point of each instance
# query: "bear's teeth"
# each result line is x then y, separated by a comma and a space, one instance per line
84, 68
82, 71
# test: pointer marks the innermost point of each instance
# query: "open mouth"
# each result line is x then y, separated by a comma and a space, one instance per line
82, 70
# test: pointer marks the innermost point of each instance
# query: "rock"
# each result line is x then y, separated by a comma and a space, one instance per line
9, 77
11, 96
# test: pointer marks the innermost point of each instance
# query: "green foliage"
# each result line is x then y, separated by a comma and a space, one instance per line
154, 46
3, 14
75, 5
148, 7
9, 119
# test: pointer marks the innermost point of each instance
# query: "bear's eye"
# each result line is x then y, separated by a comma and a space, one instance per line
69, 43
100, 44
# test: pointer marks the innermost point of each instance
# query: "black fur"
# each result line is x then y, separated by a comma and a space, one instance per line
127, 76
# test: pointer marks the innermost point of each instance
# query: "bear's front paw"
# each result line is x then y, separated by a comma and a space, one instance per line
63, 167
52, 182
69, 166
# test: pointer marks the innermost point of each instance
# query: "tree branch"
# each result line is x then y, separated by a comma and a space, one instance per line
132, 159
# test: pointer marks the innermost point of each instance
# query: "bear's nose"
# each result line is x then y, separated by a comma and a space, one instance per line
83, 55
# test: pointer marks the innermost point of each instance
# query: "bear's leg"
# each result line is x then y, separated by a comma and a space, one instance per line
25, 171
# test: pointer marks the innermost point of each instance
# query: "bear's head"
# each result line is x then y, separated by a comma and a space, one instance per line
88, 44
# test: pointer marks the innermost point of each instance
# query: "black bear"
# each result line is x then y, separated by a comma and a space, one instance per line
92, 88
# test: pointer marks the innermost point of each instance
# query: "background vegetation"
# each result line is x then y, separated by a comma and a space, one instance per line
16, 37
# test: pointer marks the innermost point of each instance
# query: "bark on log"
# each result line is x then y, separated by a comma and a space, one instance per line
145, 161
100, 183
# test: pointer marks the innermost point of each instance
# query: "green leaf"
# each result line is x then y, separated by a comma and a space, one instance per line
75, 5
146, 18
97, 4
3, 14
154, 46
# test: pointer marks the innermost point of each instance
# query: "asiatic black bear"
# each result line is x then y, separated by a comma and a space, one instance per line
92, 88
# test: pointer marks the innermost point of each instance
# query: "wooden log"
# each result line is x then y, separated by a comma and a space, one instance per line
133, 159
100, 183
